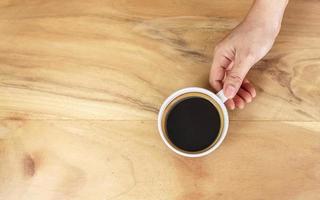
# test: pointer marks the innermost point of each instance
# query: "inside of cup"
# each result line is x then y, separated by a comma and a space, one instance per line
177, 101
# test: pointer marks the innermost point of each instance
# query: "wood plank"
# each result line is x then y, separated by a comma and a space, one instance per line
92, 74
48, 159
118, 60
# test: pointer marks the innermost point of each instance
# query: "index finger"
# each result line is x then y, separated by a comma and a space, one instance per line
217, 72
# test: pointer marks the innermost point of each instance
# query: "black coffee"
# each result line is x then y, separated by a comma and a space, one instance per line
193, 124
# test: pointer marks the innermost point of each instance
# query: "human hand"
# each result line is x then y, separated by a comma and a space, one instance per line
240, 50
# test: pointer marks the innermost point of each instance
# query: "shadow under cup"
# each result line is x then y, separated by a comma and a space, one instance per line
192, 123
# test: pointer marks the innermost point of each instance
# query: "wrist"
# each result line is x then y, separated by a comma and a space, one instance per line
269, 26
267, 14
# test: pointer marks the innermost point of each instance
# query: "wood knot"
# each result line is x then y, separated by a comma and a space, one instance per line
28, 165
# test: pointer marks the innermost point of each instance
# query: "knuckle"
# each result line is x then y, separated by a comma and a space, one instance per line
235, 78
215, 84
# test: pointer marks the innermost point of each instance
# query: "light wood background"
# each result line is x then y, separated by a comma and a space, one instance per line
81, 83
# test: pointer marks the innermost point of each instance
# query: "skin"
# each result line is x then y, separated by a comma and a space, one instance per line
243, 47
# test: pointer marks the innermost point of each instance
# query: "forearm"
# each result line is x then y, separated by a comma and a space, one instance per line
267, 13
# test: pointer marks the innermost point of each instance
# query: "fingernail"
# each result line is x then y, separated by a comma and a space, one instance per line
230, 91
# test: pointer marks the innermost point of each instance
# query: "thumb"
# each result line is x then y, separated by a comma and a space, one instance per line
235, 76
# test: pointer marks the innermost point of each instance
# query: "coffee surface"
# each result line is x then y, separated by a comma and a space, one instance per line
193, 124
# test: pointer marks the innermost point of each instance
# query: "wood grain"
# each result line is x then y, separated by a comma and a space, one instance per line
119, 61
45, 159
81, 83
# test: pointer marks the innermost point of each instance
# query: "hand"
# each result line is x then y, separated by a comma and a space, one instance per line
240, 50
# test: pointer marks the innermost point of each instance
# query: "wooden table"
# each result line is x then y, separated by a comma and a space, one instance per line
81, 83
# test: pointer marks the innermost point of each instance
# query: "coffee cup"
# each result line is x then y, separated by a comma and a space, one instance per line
193, 122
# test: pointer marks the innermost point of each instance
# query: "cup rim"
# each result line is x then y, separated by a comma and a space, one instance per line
197, 90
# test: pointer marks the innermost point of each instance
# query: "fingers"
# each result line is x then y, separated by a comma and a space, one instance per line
230, 104
244, 96
249, 88
236, 76
239, 102
218, 70
228, 73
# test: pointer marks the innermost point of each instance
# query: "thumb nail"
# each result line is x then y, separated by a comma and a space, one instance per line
230, 91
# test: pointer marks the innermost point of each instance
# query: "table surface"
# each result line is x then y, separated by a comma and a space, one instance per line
81, 83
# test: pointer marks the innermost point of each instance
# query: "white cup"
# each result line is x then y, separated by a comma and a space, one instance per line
219, 98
